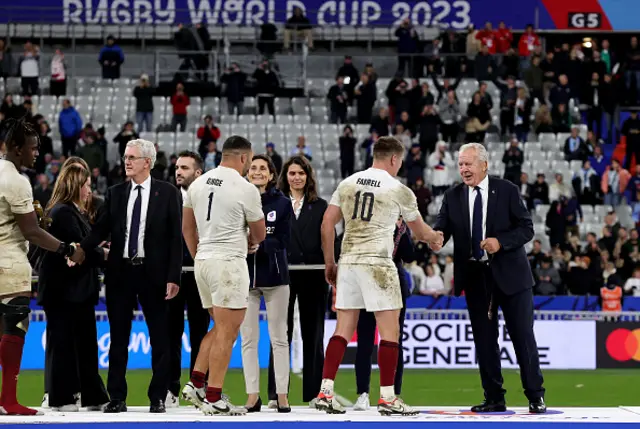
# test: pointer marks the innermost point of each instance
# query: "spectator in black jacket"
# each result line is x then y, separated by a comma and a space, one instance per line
392, 94
274, 156
380, 123
125, 136
429, 128
407, 46
46, 147
143, 94
347, 152
267, 84
575, 148
484, 64
299, 26
338, 100
234, 81
513, 159
445, 87
591, 98
403, 100
366, 94
561, 93
269, 275
540, 190
608, 102
350, 74
561, 119
414, 164
633, 70
111, 58
508, 96
522, 121
631, 131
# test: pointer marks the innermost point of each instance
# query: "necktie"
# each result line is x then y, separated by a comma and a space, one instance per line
134, 228
476, 230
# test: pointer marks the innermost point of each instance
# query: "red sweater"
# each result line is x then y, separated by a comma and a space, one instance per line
214, 133
180, 103
488, 39
527, 44
504, 38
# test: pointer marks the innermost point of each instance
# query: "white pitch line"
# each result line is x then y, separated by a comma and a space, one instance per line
344, 401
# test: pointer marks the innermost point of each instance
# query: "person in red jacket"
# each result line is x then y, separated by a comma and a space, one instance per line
179, 101
488, 37
504, 38
207, 133
528, 42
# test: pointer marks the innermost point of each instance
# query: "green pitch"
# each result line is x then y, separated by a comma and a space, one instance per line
599, 388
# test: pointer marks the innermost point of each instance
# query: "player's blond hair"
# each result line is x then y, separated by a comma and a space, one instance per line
386, 147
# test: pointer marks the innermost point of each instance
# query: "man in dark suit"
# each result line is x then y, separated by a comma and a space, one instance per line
143, 218
188, 169
490, 225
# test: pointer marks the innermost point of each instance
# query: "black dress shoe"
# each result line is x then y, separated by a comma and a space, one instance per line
157, 407
256, 407
286, 409
116, 406
488, 406
537, 407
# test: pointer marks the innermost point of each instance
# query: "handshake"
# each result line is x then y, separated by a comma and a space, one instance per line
435, 240
79, 255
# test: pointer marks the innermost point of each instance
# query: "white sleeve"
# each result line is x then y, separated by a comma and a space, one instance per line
253, 205
187, 198
20, 197
335, 198
408, 204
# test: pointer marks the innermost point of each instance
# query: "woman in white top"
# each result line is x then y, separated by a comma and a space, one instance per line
434, 285
58, 85
30, 69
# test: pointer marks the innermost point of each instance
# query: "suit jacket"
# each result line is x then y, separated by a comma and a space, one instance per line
306, 241
163, 233
508, 220
58, 283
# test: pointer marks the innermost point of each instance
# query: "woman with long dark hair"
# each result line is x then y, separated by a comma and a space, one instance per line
297, 181
68, 295
269, 274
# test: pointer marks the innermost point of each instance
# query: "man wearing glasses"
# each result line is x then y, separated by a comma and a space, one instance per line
143, 218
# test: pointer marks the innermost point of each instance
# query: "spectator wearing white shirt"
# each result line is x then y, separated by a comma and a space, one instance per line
559, 189
434, 285
442, 164
30, 69
632, 285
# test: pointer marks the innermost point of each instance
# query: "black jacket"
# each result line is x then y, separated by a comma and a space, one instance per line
59, 283
507, 220
306, 242
162, 239
269, 266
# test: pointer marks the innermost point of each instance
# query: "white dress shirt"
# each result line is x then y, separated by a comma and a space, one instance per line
297, 210
145, 192
484, 191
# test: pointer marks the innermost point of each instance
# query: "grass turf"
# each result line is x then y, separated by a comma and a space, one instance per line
579, 388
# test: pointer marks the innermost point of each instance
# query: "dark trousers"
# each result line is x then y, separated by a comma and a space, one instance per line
269, 103
58, 87
366, 335
312, 292
594, 120
29, 85
72, 355
347, 163
122, 298
199, 320
518, 317
69, 145
450, 132
633, 150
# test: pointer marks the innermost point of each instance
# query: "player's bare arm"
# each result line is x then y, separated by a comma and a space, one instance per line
332, 216
190, 230
257, 232
425, 233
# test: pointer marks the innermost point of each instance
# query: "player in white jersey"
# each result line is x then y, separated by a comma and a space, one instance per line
370, 203
218, 208
19, 226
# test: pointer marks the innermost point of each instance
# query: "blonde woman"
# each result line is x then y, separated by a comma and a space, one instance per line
68, 296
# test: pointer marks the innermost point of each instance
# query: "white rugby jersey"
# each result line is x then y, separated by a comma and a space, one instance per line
371, 202
16, 198
223, 202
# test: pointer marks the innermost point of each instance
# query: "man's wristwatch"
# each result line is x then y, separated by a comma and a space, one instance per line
66, 250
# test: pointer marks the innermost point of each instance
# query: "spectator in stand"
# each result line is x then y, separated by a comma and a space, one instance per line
392, 94
442, 164
179, 101
633, 71
527, 45
561, 119
9, 109
555, 224
70, 125
111, 59
534, 79
408, 41
350, 75
268, 42
403, 135
631, 131
267, 84
301, 149
99, 183
234, 81
504, 38
549, 72
446, 87
213, 157
86, 132
487, 38
608, 103
453, 44
559, 189
125, 136
29, 68
42, 192
572, 211
522, 115
380, 123
484, 95
367, 145
338, 102
575, 148
274, 156
586, 184
606, 55
450, 115
370, 70
472, 44
525, 190
508, 96
101, 141
6, 60
92, 154
46, 148
407, 122
510, 64
434, 286
536, 255
632, 285
366, 95
298, 26
562, 93
599, 161
614, 182
484, 64
634, 186
58, 82
591, 99
347, 152
429, 128
426, 97
414, 164
478, 120
207, 133
549, 281
143, 94
423, 196
513, 159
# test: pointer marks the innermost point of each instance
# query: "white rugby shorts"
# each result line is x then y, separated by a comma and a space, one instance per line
372, 287
223, 283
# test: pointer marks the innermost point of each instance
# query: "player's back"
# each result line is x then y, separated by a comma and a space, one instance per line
371, 202
16, 196
219, 199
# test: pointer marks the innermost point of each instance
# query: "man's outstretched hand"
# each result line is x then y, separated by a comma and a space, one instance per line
436, 240
78, 255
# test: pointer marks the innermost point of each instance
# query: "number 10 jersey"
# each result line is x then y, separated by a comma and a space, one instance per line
371, 202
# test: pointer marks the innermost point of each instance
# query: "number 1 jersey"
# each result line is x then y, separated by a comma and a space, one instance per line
223, 202
371, 202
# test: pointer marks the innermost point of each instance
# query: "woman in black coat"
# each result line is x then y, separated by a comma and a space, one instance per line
68, 296
297, 182
269, 275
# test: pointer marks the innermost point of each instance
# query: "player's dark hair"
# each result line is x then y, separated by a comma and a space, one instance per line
196, 158
16, 132
310, 188
272, 170
387, 146
236, 143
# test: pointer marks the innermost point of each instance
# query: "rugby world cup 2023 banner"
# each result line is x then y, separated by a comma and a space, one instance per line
456, 14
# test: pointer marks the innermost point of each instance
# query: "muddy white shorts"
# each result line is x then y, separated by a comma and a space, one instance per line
15, 277
372, 287
223, 283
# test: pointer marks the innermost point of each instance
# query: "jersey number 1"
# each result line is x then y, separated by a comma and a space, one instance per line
209, 209
365, 206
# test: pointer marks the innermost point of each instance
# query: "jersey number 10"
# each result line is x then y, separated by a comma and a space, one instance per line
364, 207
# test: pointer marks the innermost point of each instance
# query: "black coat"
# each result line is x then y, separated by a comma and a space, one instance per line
507, 220
59, 283
306, 242
162, 239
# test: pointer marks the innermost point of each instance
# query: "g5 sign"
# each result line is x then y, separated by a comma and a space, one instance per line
585, 20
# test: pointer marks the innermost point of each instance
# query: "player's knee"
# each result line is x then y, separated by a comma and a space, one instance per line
17, 323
